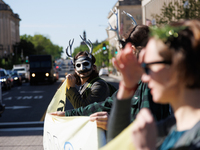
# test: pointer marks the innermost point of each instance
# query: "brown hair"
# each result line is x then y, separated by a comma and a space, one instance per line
137, 36
185, 53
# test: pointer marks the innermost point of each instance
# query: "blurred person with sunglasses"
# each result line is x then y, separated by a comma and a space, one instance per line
124, 111
170, 66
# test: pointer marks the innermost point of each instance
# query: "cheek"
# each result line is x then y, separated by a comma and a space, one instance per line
158, 84
164, 88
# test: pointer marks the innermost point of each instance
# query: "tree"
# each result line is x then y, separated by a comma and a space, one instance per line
39, 44
100, 56
176, 11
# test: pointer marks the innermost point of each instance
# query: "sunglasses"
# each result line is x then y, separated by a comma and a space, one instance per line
146, 65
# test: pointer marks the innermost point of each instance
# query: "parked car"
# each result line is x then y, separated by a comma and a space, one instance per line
16, 77
5, 79
103, 72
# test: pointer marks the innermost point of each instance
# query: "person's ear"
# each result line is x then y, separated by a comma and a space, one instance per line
141, 55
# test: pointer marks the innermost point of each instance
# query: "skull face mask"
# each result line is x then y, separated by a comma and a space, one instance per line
83, 64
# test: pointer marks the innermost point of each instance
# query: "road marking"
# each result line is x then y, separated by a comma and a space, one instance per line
21, 123
23, 97
8, 98
31, 91
5, 94
18, 107
27, 97
22, 129
38, 97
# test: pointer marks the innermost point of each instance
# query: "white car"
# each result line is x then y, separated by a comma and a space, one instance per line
103, 72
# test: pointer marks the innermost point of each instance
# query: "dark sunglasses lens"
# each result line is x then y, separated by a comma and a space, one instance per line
146, 70
85, 63
78, 65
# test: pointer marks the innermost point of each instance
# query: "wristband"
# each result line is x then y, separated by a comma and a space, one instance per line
133, 89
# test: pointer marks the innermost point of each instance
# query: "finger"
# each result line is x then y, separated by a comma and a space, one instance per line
102, 124
92, 118
115, 63
53, 113
67, 76
128, 53
100, 114
119, 60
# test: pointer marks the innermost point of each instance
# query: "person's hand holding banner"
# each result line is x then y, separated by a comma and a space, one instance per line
69, 133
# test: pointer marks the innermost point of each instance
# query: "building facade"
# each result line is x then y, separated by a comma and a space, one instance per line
9, 30
150, 7
132, 7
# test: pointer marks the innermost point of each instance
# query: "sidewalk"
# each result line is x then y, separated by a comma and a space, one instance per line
21, 140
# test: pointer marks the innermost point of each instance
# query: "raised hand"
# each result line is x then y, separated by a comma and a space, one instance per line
127, 63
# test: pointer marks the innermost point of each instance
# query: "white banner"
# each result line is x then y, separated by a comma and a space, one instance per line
69, 133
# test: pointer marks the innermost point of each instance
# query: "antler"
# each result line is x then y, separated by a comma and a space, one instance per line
130, 16
116, 29
70, 46
88, 43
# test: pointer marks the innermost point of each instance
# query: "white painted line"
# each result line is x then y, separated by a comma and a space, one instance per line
22, 129
21, 123
5, 93
31, 91
18, 107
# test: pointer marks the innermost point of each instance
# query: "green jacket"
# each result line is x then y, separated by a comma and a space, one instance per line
142, 98
88, 95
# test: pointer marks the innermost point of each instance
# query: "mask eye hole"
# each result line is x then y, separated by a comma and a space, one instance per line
78, 65
85, 63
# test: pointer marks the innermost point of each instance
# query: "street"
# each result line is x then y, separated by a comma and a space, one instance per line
25, 111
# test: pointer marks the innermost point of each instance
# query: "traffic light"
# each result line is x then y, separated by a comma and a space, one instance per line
104, 46
26, 59
116, 51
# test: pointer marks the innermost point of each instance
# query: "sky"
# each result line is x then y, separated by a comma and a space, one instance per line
63, 20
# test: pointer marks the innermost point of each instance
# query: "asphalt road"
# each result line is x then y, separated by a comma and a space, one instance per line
29, 103
21, 124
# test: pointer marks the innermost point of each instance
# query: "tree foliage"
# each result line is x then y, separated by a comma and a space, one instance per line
39, 44
175, 11
101, 58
